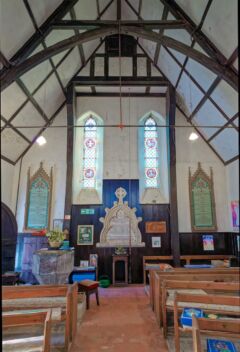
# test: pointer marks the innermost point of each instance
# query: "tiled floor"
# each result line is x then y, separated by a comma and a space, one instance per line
123, 322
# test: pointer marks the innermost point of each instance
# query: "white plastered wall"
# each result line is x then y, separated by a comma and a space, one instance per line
9, 184
188, 154
52, 154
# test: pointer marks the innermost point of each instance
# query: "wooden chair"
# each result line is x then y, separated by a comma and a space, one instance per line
68, 305
223, 328
205, 286
30, 319
216, 304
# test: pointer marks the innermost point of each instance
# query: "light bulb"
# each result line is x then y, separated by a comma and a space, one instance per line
41, 140
193, 136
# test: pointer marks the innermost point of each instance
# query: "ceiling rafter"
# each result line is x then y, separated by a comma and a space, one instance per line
7, 160
195, 32
44, 29
80, 47
197, 84
194, 41
126, 81
230, 77
36, 89
158, 47
223, 127
94, 24
16, 130
180, 109
32, 18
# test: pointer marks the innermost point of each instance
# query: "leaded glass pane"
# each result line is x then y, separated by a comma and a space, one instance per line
151, 153
89, 153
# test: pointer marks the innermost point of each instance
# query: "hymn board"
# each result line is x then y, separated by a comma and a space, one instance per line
39, 199
202, 201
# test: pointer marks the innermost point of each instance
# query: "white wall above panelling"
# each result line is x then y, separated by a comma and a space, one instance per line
158, 89
99, 66
168, 66
189, 92
7, 177
226, 143
194, 9
35, 76
202, 75
152, 10
86, 10
50, 96
126, 66
43, 9
11, 99
141, 66
220, 25
12, 145
15, 26
69, 66
208, 115
226, 97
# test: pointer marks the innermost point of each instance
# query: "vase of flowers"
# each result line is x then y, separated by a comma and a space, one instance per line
55, 238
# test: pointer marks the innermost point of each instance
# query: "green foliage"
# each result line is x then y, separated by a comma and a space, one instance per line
55, 236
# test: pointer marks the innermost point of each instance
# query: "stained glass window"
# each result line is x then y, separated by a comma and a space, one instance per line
90, 153
151, 153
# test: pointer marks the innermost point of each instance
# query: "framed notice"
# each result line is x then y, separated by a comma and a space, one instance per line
155, 227
202, 201
156, 242
38, 200
208, 244
85, 235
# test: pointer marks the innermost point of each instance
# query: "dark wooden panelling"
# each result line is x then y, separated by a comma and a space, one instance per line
192, 243
156, 212
8, 238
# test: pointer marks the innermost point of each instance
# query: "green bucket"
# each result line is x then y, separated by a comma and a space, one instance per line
104, 281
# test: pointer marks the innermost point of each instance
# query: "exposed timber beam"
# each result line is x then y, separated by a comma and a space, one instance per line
44, 29
231, 160
224, 126
126, 81
94, 24
125, 95
222, 71
158, 47
194, 31
16, 71
7, 160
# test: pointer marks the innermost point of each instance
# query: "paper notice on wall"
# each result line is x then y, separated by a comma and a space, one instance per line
208, 244
235, 214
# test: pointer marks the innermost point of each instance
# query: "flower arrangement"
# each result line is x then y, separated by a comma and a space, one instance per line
55, 238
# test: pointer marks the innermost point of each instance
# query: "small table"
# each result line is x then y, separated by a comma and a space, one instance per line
120, 258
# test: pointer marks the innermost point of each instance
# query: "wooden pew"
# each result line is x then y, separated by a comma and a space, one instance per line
223, 328
231, 302
193, 275
155, 281
69, 307
30, 319
187, 258
205, 286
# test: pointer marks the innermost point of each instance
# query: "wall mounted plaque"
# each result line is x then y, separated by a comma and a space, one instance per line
38, 200
156, 227
202, 201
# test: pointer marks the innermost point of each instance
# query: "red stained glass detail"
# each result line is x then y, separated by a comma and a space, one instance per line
151, 173
89, 173
151, 143
90, 143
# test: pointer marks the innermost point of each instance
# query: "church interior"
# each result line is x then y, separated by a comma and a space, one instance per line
120, 175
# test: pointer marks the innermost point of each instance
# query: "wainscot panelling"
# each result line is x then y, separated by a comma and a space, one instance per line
155, 212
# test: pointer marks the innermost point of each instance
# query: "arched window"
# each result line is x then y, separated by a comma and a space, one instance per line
90, 153
151, 153
88, 159
153, 159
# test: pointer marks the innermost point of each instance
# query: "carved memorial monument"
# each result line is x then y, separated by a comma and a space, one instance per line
120, 225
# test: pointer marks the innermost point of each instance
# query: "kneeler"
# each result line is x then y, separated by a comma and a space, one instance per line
89, 287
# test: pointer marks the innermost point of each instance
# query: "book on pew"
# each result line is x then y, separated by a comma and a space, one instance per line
186, 316
220, 346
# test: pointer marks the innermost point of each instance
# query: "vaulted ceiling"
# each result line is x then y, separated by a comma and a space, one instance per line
191, 44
